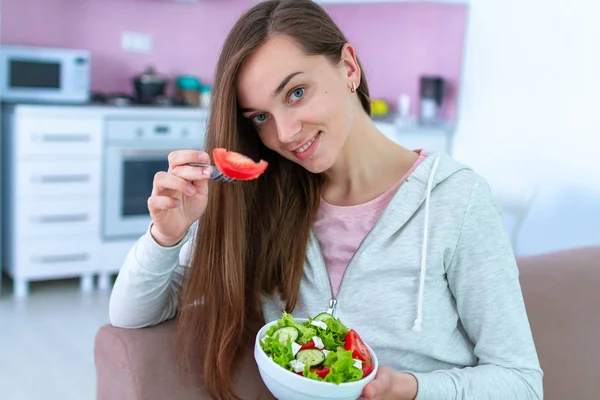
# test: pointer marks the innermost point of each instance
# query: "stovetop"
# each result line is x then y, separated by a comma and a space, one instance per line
125, 100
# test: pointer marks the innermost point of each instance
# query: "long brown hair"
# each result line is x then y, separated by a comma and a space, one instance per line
252, 239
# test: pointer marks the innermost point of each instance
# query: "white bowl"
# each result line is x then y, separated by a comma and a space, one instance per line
286, 385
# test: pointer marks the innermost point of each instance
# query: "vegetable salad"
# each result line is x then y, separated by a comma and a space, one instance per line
322, 348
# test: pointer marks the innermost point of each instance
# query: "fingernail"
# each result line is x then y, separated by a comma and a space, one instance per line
190, 190
207, 171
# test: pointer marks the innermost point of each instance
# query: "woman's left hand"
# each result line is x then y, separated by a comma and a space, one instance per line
390, 385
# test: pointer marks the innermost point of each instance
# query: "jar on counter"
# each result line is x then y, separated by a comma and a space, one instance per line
205, 96
188, 90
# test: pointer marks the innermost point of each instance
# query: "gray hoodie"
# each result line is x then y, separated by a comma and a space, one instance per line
433, 289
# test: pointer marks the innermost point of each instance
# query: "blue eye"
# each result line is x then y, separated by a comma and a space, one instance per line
297, 93
259, 118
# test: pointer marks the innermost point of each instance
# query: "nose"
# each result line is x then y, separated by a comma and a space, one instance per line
287, 128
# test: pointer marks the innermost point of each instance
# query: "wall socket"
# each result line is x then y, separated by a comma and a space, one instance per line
135, 42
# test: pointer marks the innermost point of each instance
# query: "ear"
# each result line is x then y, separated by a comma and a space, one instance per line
350, 65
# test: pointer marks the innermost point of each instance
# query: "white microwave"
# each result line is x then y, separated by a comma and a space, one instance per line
44, 75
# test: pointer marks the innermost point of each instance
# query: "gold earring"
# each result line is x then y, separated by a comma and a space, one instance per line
353, 89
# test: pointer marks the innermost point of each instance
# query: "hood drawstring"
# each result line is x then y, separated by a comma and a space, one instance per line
419, 319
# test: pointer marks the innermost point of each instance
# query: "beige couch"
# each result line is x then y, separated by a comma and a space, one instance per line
562, 294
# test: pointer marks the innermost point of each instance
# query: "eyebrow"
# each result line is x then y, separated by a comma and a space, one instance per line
284, 82
279, 89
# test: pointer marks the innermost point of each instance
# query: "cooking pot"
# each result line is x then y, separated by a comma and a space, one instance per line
149, 85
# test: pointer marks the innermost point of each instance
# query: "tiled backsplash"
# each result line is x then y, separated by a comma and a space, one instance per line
397, 42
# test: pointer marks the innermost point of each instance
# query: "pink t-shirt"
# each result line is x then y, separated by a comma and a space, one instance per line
341, 229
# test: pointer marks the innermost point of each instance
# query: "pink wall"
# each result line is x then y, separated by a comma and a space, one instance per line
397, 42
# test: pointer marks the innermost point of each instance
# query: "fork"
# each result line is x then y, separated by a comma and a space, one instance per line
215, 174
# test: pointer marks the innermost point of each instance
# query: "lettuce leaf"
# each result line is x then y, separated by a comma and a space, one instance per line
306, 331
309, 374
335, 334
343, 369
280, 353
341, 366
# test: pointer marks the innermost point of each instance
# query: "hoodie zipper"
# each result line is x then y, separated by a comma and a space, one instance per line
333, 300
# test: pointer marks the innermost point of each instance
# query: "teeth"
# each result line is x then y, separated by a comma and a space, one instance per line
307, 145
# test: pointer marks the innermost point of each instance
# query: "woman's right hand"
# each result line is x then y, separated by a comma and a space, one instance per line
179, 196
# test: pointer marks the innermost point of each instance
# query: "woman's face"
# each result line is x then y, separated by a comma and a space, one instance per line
301, 106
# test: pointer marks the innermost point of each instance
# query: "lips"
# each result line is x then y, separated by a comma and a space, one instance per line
309, 148
303, 147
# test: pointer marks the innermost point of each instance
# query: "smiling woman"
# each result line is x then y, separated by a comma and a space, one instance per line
307, 117
340, 213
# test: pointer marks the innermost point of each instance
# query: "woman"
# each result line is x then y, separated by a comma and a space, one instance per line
406, 247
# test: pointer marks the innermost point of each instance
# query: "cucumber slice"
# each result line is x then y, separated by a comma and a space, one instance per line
323, 317
311, 357
286, 332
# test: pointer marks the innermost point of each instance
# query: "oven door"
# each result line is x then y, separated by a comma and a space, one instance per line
128, 179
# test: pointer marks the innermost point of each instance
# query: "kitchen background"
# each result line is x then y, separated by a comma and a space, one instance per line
186, 38
515, 82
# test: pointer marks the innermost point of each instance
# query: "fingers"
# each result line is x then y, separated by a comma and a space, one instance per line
162, 203
369, 391
182, 157
180, 179
165, 183
198, 176
192, 174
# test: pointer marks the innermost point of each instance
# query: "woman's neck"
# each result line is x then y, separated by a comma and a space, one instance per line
367, 166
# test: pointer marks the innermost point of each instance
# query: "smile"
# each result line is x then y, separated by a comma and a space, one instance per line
307, 144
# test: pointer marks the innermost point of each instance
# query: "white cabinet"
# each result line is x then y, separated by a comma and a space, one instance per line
57, 184
55, 257
389, 1
52, 213
43, 216
43, 178
58, 136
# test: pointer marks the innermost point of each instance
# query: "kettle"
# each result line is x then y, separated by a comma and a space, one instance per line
149, 86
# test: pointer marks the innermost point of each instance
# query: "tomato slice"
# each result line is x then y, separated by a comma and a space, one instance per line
238, 166
321, 371
359, 349
367, 368
307, 346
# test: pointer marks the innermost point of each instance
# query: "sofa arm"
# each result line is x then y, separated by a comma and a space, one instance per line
562, 295
140, 364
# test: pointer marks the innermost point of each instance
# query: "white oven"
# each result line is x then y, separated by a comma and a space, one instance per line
135, 150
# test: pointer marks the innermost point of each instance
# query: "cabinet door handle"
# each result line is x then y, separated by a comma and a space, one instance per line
53, 219
62, 137
61, 178
61, 258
